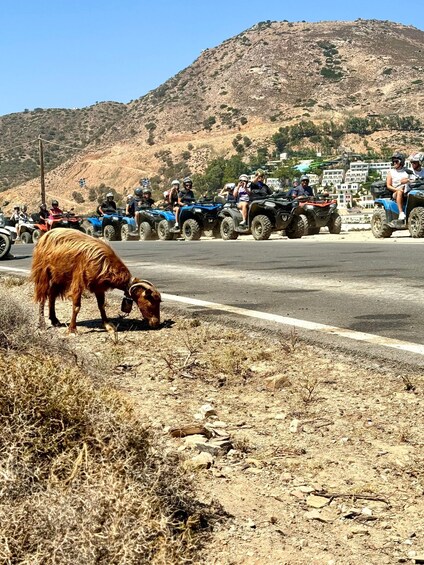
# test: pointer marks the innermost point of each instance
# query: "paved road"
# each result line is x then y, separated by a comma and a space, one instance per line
371, 287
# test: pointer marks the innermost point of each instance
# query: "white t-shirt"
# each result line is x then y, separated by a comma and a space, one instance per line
397, 175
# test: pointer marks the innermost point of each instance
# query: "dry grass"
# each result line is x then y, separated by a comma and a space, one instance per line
81, 478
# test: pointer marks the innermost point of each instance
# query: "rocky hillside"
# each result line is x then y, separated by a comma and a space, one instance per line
235, 96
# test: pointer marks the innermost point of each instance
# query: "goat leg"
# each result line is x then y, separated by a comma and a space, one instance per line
100, 296
53, 293
76, 307
41, 320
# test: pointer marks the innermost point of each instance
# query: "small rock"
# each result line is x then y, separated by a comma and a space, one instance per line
251, 523
313, 515
366, 511
360, 530
306, 489
191, 441
205, 411
286, 477
316, 501
294, 426
254, 462
201, 461
298, 494
280, 416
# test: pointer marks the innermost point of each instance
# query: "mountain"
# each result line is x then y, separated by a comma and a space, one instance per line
236, 96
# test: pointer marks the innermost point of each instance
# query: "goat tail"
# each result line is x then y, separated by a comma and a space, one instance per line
41, 278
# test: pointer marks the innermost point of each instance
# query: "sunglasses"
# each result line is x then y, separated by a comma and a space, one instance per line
395, 161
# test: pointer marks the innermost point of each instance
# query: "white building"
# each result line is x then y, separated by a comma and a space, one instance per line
359, 166
332, 176
356, 176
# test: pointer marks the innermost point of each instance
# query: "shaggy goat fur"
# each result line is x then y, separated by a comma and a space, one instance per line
66, 262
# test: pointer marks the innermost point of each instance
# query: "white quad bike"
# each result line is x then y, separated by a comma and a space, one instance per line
5, 243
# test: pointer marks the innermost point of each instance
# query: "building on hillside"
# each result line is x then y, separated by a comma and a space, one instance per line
344, 199
365, 201
313, 179
274, 183
347, 187
332, 176
355, 176
359, 166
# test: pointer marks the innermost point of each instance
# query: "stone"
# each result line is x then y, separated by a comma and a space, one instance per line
306, 489
316, 501
201, 461
205, 411
294, 426
254, 462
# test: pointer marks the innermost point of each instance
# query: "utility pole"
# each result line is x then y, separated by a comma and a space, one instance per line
43, 187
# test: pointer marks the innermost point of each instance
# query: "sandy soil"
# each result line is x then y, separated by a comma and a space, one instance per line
316, 457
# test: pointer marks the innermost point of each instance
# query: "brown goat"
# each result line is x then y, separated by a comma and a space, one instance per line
67, 261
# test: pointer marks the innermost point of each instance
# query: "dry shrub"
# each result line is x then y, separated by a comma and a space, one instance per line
81, 479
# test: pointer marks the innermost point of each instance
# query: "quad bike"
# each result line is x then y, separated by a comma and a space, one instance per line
118, 226
319, 212
157, 222
93, 226
66, 220
199, 218
274, 213
5, 242
385, 219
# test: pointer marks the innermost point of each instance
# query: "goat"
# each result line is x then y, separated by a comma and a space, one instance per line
66, 262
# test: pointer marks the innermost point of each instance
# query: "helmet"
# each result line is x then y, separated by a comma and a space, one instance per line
304, 177
244, 177
187, 180
230, 185
295, 180
43, 205
147, 191
260, 173
175, 181
138, 191
417, 157
399, 156
17, 207
166, 194
55, 203
109, 195
128, 197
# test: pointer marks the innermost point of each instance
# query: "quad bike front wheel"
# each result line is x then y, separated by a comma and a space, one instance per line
88, 226
5, 245
145, 231
335, 224
164, 231
228, 230
191, 230
109, 233
296, 228
379, 227
261, 227
26, 237
416, 222
36, 234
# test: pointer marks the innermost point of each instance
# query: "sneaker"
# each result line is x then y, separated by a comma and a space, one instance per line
242, 224
176, 228
402, 216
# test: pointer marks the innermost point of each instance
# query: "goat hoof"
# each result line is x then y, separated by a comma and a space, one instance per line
110, 327
72, 332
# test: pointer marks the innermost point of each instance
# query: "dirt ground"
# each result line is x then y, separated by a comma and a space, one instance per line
315, 456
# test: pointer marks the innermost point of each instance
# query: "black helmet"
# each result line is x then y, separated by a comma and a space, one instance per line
399, 157
55, 203
43, 205
138, 191
147, 191
187, 180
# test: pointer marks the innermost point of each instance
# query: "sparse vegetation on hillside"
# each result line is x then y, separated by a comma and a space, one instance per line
66, 132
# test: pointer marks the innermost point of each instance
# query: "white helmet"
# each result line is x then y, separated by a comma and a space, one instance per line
166, 194
417, 157
244, 178
175, 181
230, 185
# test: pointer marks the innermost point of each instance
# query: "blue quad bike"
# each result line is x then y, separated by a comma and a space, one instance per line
113, 227
384, 220
157, 222
274, 213
200, 218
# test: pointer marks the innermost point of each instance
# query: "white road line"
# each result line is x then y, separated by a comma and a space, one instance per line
284, 320
294, 322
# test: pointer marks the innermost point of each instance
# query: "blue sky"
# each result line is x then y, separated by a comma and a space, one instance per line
73, 53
